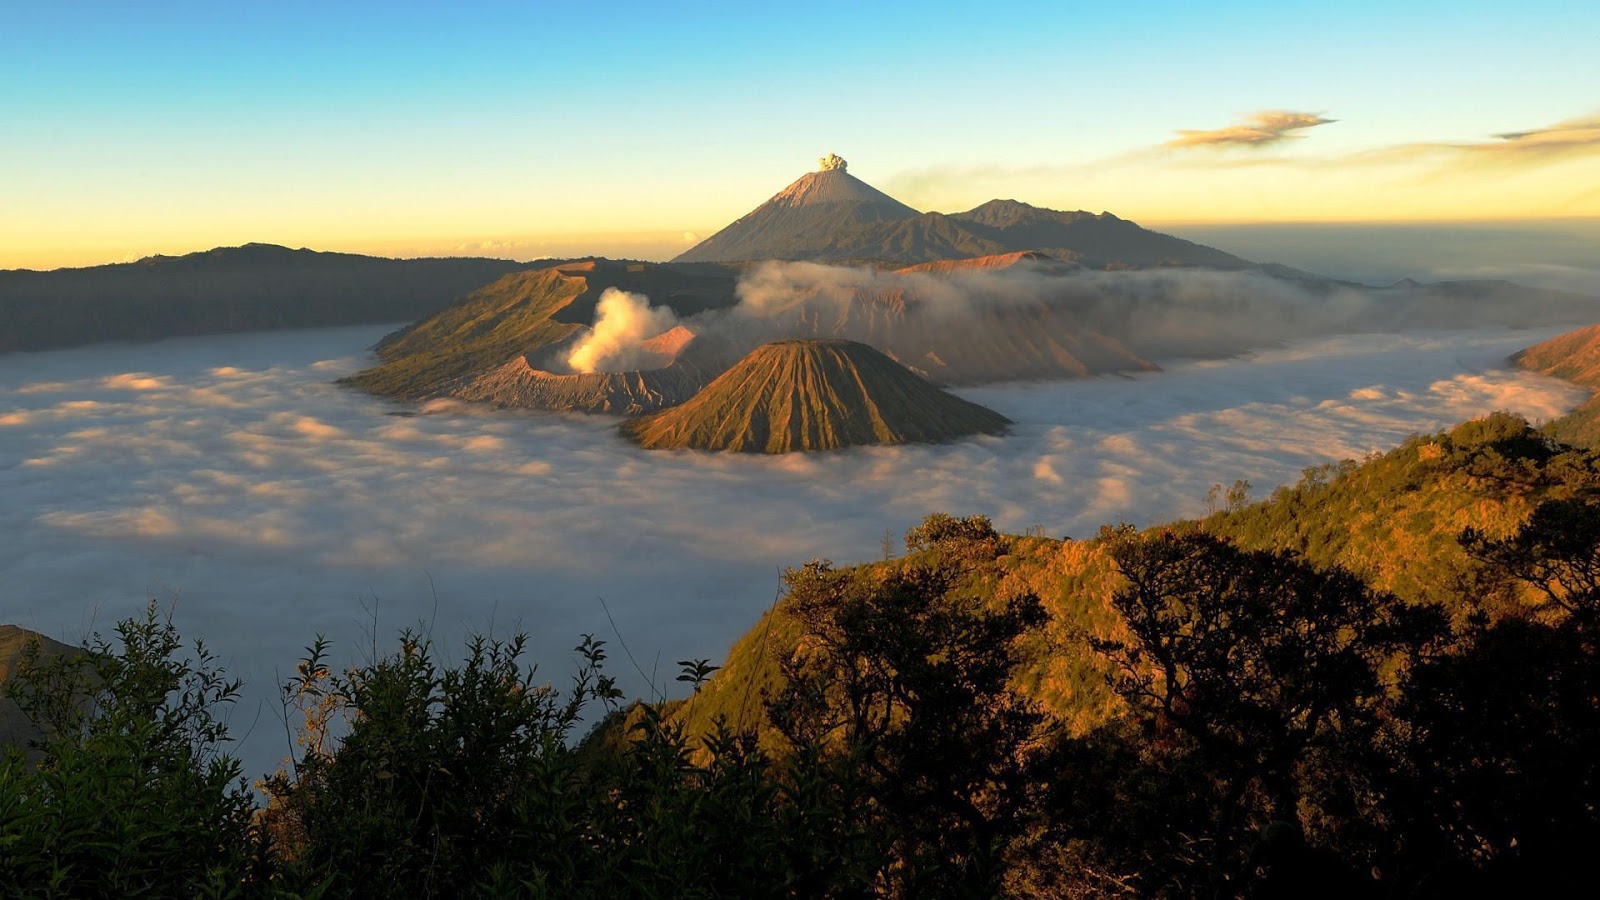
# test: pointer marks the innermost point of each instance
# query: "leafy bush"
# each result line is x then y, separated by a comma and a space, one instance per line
131, 794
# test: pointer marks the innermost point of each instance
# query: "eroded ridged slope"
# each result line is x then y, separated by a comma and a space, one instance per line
802, 395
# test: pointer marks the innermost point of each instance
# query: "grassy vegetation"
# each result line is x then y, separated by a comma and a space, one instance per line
1394, 519
1575, 357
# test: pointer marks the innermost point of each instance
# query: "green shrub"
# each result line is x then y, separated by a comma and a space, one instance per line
131, 794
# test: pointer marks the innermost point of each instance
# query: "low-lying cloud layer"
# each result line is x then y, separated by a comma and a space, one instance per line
231, 473
964, 326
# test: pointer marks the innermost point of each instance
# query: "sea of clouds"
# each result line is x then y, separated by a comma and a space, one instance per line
230, 479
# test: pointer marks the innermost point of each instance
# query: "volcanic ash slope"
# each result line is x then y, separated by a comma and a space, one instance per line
803, 395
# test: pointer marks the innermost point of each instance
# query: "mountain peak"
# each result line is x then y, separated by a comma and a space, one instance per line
830, 215
835, 185
802, 217
799, 395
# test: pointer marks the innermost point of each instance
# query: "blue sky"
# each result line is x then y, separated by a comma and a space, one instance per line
130, 128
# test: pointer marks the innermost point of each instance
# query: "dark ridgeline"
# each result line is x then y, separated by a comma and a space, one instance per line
251, 288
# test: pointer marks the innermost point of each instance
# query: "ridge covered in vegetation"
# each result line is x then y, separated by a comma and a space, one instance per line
1574, 357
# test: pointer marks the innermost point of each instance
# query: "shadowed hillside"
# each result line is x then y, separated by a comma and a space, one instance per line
792, 396
251, 288
16, 644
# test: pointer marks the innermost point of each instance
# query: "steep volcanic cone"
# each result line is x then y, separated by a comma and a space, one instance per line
802, 217
803, 395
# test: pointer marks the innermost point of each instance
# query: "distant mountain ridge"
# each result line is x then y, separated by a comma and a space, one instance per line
833, 216
249, 288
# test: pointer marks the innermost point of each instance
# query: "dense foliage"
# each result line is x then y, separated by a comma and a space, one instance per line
1284, 726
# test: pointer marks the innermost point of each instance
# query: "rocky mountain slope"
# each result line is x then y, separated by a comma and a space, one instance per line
832, 216
524, 314
521, 384
807, 213
805, 395
502, 343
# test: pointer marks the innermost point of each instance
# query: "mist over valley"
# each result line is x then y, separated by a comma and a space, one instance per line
230, 476
471, 451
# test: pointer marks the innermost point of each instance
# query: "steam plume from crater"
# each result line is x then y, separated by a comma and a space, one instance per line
623, 322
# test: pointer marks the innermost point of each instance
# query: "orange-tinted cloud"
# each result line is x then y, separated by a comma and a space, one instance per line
1262, 129
1571, 137
1563, 140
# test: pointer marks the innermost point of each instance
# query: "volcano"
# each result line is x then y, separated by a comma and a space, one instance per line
832, 216
805, 395
803, 216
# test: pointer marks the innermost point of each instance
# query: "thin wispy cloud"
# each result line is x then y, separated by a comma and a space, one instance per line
1262, 129
1562, 140
1274, 139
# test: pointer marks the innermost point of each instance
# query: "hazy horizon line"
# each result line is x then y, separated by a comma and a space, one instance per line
662, 246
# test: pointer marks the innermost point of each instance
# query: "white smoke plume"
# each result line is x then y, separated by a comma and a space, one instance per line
1156, 313
1044, 319
623, 321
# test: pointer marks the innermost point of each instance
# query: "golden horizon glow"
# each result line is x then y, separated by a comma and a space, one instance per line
1266, 167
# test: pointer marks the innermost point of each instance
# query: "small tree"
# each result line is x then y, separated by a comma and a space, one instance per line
432, 784
1557, 553
1266, 664
902, 681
